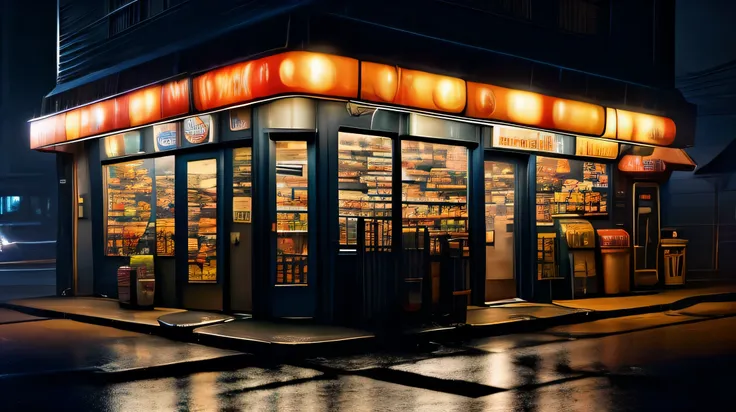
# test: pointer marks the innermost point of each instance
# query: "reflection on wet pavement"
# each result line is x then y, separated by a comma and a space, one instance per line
677, 367
58, 345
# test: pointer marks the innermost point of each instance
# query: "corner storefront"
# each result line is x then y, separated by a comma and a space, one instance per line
311, 185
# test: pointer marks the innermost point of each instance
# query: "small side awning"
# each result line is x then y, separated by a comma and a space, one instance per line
723, 162
661, 159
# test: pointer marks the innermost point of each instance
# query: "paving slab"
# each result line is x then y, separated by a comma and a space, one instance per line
634, 302
710, 309
283, 333
515, 312
10, 316
99, 308
192, 319
60, 345
625, 324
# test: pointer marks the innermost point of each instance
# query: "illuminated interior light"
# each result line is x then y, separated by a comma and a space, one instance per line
286, 72
72, 124
449, 94
578, 116
524, 107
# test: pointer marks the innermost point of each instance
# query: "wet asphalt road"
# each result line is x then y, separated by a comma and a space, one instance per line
19, 281
684, 366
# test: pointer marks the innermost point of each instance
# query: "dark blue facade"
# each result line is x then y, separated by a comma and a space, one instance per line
618, 54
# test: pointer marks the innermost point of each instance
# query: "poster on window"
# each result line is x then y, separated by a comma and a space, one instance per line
242, 209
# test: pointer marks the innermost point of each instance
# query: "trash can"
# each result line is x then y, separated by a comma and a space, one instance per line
136, 288
674, 262
616, 257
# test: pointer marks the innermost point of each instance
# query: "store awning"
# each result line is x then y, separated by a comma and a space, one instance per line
720, 163
661, 159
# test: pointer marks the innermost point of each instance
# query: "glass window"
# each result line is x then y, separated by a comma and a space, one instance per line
570, 188
202, 217
434, 188
242, 185
165, 167
364, 181
292, 217
130, 226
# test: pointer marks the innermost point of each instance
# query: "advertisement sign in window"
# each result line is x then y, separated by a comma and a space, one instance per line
198, 129
240, 119
516, 138
166, 136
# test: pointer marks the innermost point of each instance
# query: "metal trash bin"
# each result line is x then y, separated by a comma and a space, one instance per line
674, 258
616, 258
136, 288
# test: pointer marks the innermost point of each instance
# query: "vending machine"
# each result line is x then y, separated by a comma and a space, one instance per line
646, 228
577, 257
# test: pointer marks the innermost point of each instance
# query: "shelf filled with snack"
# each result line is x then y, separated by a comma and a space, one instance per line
130, 226
365, 165
499, 185
570, 188
434, 189
202, 220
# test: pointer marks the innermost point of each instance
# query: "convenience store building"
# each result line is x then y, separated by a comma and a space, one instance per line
305, 184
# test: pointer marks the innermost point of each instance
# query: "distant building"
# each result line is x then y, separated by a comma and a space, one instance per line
701, 204
27, 71
351, 161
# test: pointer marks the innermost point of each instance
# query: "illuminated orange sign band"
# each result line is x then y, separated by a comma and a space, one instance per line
545, 112
137, 108
389, 84
301, 72
644, 128
291, 72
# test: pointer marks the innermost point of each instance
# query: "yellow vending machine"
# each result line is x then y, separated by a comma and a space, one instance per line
577, 258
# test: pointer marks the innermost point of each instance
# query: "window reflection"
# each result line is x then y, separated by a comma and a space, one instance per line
202, 217
292, 212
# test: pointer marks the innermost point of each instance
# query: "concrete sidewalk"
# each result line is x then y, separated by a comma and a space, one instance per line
652, 302
305, 338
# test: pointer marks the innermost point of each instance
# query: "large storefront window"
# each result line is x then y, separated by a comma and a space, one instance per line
570, 188
292, 214
164, 172
130, 227
202, 218
364, 182
434, 188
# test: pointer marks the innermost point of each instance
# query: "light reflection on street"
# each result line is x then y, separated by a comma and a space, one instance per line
646, 370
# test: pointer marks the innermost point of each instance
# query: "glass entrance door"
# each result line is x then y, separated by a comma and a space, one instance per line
199, 230
434, 200
241, 231
500, 214
292, 213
